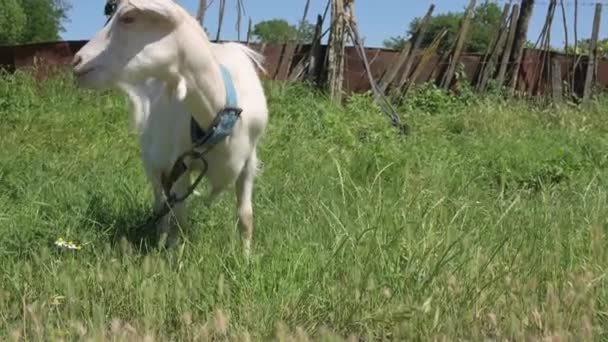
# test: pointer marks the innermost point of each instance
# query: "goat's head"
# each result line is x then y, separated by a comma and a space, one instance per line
137, 42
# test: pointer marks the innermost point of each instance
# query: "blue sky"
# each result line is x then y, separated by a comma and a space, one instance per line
378, 19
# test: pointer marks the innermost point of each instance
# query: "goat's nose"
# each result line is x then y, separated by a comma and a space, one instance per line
76, 61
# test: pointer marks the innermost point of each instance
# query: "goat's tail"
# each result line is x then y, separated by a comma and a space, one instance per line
256, 57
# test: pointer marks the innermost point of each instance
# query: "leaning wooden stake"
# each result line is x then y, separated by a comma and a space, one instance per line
591, 66
416, 41
424, 60
576, 56
521, 36
500, 78
393, 69
405, 56
381, 99
249, 32
488, 65
545, 47
298, 69
335, 62
303, 20
315, 52
575, 26
566, 36
307, 66
556, 80
239, 16
462, 37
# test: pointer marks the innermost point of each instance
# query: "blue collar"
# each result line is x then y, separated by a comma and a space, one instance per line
231, 98
224, 122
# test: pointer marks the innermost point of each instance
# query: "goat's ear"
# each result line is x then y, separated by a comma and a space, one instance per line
164, 9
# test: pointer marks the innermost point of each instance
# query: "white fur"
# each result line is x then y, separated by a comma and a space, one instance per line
169, 69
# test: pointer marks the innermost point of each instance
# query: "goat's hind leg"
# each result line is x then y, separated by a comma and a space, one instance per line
244, 192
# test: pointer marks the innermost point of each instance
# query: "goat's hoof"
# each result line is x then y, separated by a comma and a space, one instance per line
168, 241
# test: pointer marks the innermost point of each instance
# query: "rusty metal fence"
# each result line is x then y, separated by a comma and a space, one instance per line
281, 59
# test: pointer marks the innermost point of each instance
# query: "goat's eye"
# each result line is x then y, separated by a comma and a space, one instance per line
127, 19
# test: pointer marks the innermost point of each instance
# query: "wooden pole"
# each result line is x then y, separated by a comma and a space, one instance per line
521, 35
307, 67
416, 41
315, 50
462, 37
327, 7
556, 80
239, 16
566, 36
576, 56
299, 68
575, 26
424, 59
304, 15
406, 56
546, 45
394, 68
351, 28
249, 32
565, 23
591, 66
500, 78
487, 65
221, 19
336, 51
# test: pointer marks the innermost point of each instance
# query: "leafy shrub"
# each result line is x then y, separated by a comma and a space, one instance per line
537, 161
429, 99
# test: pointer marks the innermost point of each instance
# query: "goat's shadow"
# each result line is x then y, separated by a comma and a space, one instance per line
129, 222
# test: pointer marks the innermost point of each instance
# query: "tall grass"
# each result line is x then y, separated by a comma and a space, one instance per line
487, 221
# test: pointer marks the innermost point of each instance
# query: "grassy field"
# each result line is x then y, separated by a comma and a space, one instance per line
487, 221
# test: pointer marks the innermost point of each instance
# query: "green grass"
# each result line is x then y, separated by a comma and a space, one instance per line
487, 221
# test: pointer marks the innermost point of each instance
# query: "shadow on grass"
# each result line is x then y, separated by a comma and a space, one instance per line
125, 222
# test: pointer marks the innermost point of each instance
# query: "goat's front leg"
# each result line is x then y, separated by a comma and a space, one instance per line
244, 192
175, 220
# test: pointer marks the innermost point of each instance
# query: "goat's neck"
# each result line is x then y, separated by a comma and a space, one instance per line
201, 72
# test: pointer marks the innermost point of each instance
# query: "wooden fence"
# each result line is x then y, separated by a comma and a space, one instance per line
283, 60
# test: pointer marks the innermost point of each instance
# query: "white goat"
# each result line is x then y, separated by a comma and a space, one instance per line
157, 53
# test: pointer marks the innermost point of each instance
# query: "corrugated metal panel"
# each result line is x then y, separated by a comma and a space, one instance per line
59, 54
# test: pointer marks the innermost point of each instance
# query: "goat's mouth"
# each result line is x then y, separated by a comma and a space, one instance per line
82, 73
89, 77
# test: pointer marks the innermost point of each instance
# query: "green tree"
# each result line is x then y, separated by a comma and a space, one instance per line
583, 45
486, 22
44, 19
274, 31
280, 31
12, 21
394, 43
306, 32
486, 19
